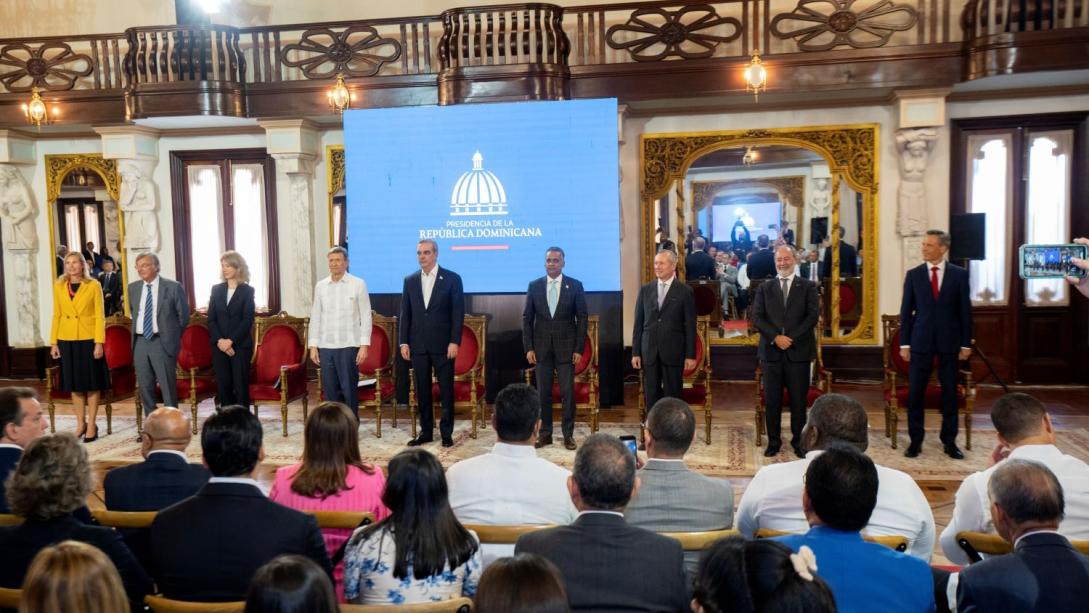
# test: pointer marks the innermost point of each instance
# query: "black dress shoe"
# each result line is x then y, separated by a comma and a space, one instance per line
772, 450
913, 451
447, 442
420, 440
798, 450
543, 440
953, 452
569, 443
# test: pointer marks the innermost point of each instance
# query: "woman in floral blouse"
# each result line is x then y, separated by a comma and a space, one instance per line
420, 553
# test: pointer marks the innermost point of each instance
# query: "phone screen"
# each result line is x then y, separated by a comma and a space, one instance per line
629, 440
1051, 261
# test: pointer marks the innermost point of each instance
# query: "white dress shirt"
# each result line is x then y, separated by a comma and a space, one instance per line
154, 307
175, 452
427, 283
239, 481
972, 510
773, 500
341, 315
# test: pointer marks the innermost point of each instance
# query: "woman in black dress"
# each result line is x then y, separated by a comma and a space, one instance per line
230, 325
77, 337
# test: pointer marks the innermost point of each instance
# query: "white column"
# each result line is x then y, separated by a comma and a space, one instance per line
921, 116
136, 150
20, 237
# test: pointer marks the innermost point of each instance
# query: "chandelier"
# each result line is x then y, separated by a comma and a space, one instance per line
750, 156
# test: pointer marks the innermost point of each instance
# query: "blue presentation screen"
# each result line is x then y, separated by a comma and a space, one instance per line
493, 184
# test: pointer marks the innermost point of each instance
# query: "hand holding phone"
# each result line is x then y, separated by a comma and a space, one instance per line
631, 443
1053, 261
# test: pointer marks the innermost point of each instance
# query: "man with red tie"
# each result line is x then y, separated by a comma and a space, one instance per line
935, 320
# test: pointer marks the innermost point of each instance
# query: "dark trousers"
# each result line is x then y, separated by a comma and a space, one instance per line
660, 381
153, 366
340, 376
794, 376
918, 377
232, 376
565, 373
422, 365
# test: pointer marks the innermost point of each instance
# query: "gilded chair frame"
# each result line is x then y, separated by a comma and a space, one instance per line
589, 376
701, 376
195, 319
478, 324
300, 325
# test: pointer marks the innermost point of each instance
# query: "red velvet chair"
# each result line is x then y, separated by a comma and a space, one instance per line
118, 351
469, 384
195, 379
697, 382
586, 377
820, 384
850, 301
278, 373
708, 297
896, 384
377, 366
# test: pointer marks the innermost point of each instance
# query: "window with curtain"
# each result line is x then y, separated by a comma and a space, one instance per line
989, 165
229, 204
1047, 215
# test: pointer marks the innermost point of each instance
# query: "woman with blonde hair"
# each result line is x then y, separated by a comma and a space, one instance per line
72, 577
230, 322
77, 337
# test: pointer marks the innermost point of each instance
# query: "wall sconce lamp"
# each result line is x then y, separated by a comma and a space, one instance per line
756, 76
37, 111
340, 97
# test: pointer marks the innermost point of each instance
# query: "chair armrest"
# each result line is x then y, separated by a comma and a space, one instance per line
294, 375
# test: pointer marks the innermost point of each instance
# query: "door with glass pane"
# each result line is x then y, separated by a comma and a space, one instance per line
1021, 172
80, 222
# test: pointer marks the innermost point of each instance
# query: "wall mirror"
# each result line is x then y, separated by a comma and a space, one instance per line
338, 195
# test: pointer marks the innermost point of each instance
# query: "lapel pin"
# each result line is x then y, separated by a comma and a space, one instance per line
440, 277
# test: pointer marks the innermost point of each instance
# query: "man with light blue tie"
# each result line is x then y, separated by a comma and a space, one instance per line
160, 312
553, 329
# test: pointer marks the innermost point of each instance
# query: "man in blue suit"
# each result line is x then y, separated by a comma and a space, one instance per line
553, 331
21, 421
432, 314
935, 320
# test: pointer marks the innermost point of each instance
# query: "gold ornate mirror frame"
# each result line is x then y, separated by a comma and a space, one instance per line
852, 156
334, 173
57, 167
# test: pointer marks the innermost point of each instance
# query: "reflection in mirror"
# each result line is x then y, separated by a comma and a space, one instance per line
85, 219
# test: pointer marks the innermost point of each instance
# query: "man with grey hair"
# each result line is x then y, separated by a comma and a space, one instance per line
160, 311
698, 264
663, 343
935, 320
340, 330
1044, 572
604, 561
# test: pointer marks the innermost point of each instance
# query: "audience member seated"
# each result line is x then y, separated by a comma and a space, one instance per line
165, 476
739, 576
773, 499
332, 476
1044, 573
840, 494
525, 583
606, 564
207, 548
1024, 433
672, 498
72, 577
511, 485
420, 552
291, 584
762, 261
51, 481
21, 421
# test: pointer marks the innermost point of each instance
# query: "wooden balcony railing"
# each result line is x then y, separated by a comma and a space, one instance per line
991, 17
61, 63
171, 54
503, 35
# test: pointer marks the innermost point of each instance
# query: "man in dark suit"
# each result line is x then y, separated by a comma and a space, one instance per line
160, 312
810, 267
785, 312
786, 233
1044, 572
848, 259
553, 329
165, 476
21, 421
111, 288
698, 264
935, 320
94, 260
663, 343
608, 565
62, 250
207, 548
432, 314
762, 261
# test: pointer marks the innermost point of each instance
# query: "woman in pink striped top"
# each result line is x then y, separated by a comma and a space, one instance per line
332, 476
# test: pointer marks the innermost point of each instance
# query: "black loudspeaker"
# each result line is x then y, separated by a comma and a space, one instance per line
968, 233
818, 230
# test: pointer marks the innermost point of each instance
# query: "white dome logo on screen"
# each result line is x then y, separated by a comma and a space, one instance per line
478, 192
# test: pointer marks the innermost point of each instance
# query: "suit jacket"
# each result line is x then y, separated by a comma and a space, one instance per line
234, 319
431, 329
699, 265
563, 332
796, 320
788, 236
206, 548
608, 565
942, 326
60, 266
848, 261
80, 318
9, 457
669, 333
1043, 573
159, 481
172, 312
111, 286
762, 264
21, 543
804, 268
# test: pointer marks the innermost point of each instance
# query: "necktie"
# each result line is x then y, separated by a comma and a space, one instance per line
149, 331
661, 294
934, 281
553, 296
785, 281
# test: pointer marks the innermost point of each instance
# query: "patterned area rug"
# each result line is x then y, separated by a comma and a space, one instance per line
732, 452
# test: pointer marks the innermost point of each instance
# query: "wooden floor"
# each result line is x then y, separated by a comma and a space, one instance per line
733, 403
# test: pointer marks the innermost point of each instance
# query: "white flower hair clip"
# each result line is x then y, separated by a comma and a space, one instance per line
805, 562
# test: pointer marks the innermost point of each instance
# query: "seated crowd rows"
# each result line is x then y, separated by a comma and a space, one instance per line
217, 537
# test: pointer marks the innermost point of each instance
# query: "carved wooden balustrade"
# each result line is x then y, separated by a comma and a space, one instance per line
1009, 36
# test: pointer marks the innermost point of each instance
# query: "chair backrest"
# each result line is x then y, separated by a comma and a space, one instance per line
589, 346
474, 337
124, 519
341, 519
196, 345
380, 354
502, 535
159, 604
698, 541
703, 356
9, 598
455, 605
895, 541
117, 345
890, 327
281, 341
7, 519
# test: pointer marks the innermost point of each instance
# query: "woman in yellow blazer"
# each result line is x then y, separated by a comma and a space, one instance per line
77, 337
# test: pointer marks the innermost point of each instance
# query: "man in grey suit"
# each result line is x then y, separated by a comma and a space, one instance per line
671, 497
663, 343
160, 311
553, 329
